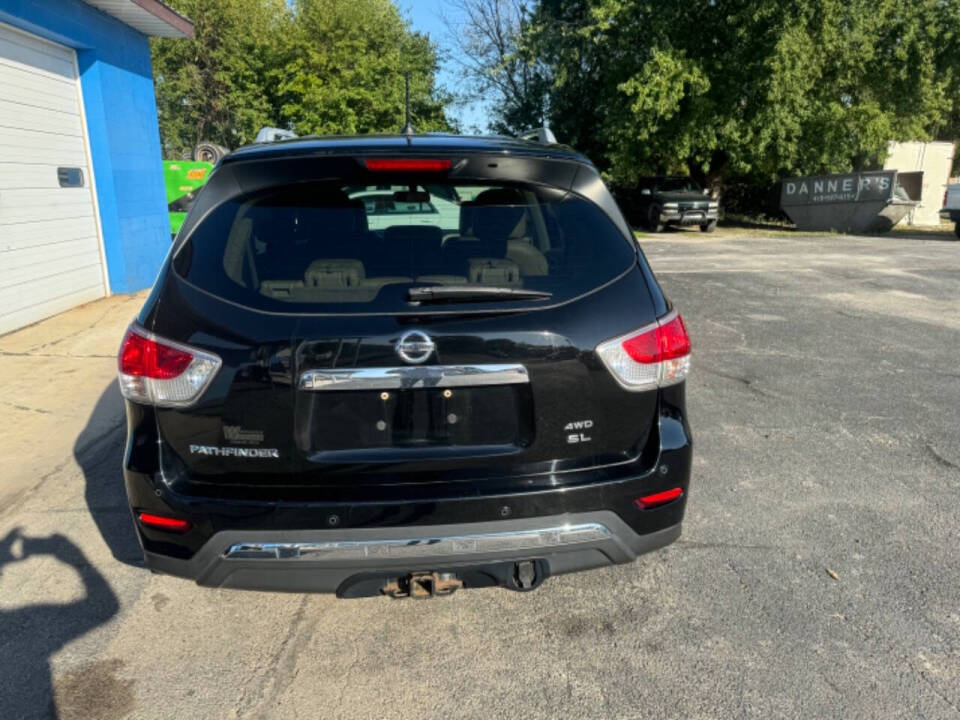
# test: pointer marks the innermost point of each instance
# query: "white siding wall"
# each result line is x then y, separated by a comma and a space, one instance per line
50, 247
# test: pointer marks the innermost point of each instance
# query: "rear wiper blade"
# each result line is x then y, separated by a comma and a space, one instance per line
468, 293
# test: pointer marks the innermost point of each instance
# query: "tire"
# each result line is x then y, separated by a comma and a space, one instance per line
653, 219
708, 227
208, 152
956, 228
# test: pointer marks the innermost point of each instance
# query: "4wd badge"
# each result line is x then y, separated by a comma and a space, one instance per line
574, 431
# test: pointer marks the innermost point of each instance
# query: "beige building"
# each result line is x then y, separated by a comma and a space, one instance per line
935, 160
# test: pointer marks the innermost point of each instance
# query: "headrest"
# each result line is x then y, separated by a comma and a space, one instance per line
466, 216
324, 212
500, 196
490, 271
420, 234
496, 213
334, 274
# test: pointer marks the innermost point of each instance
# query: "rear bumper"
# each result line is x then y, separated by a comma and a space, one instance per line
338, 561
325, 545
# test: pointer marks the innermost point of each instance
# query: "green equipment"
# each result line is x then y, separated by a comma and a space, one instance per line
182, 179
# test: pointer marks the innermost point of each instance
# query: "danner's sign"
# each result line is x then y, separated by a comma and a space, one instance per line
848, 188
852, 202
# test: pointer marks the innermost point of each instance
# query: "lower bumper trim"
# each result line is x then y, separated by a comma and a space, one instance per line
544, 539
697, 219
304, 560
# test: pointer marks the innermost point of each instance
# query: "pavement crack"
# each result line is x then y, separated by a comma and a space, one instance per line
282, 664
26, 408
693, 545
746, 382
940, 458
12, 353
95, 444
14, 502
86, 328
936, 691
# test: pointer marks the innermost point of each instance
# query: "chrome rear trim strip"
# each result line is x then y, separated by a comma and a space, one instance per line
408, 377
519, 540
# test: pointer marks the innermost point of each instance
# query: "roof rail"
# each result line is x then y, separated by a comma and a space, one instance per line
272, 134
541, 135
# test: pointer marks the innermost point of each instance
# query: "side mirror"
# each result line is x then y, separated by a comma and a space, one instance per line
646, 191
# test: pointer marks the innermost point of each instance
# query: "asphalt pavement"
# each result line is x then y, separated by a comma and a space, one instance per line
818, 574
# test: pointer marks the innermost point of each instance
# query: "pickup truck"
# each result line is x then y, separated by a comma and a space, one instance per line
951, 207
676, 201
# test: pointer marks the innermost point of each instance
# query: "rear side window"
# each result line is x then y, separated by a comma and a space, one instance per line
328, 247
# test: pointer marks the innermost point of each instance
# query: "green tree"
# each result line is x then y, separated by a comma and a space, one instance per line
345, 75
217, 86
487, 36
756, 88
314, 66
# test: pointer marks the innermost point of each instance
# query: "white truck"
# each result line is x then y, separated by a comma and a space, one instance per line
951, 206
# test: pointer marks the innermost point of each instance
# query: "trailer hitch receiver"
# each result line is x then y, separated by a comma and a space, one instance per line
423, 585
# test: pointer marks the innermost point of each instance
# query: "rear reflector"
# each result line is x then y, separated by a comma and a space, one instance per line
657, 499
161, 372
407, 165
161, 522
654, 356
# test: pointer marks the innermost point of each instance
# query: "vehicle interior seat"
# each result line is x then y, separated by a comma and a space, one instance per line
490, 271
512, 223
238, 253
334, 274
326, 224
416, 248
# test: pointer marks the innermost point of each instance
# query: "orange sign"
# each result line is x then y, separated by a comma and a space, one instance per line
196, 174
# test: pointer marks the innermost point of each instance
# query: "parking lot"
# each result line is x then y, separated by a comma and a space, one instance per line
818, 574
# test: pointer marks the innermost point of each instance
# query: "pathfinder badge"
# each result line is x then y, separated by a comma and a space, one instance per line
240, 452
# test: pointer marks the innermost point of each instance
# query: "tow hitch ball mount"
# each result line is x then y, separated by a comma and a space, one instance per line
521, 576
422, 585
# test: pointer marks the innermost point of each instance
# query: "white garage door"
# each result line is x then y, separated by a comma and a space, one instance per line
50, 249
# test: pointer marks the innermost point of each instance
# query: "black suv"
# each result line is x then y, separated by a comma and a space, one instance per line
488, 394
667, 201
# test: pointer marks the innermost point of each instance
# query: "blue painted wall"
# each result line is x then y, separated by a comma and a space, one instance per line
117, 85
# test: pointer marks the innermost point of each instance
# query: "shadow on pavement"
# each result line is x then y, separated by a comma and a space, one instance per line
30, 635
99, 453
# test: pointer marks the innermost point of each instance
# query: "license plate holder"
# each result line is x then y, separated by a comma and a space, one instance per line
420, 417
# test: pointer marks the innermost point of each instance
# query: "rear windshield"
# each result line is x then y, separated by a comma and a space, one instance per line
326, 247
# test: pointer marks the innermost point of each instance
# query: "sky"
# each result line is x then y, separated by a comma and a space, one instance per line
426, 16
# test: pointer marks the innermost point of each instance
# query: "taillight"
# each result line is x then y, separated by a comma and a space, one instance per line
162, 372
655, 356
407, 164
